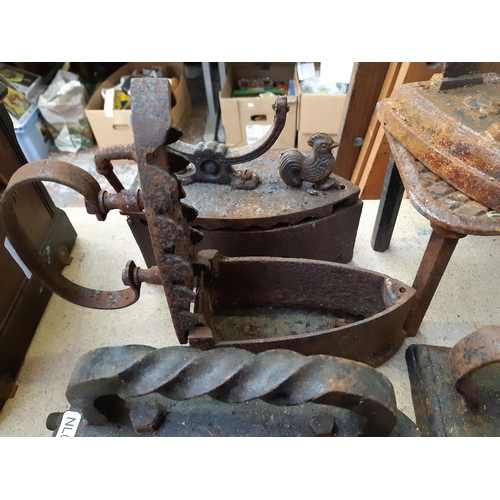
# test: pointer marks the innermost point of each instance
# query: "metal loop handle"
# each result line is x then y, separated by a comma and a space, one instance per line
231, 375
472, 353
81, 181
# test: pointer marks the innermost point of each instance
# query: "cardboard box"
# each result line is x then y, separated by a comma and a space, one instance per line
318, 113
115, 130
302, 141
245, 119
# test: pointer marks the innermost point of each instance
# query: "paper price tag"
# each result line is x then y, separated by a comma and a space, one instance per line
69, 424
109, 100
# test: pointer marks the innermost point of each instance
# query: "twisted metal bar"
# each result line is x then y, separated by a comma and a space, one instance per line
230, 375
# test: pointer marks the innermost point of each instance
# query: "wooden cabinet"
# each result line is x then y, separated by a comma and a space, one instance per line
23, 299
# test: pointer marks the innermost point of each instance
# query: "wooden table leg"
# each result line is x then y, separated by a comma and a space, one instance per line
388, 209
438, 253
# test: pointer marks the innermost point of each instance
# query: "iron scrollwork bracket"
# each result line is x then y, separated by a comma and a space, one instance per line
212, 161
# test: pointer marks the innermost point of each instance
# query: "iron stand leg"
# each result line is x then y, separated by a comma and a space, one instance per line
390, 201
438, 253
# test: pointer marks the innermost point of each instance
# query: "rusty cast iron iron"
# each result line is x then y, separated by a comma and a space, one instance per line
451, 125
452, 216
295, 168
312, 307
456, 392
258, 303
177, 391
273, 220
281, 224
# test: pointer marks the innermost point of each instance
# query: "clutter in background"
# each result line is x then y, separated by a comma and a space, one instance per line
109, 117
247, 98
323, 95
118, 97
63, 108
314, 80
23, 90
263, 87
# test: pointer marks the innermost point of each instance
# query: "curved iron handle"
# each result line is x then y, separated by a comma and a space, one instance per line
469, 355
82, 182
231, 156
103, 165
104, 156
231, 375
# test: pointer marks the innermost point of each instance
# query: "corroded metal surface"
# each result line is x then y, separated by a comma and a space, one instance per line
232, 376
453, 129
212, 161
371, 308
316, 167
82, 182
271, 204
439, 202
170, 233
456, 392
432, 267
103, 158
329, 238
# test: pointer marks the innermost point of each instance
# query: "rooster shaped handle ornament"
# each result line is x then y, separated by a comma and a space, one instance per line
296, 168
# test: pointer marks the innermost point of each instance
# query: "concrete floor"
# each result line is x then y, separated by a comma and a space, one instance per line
466, 299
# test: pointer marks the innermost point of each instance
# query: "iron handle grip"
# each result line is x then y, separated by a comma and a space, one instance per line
102, 160
231, 375
472, 353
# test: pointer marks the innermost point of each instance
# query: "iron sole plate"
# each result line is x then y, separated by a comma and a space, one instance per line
332, 237
206, 417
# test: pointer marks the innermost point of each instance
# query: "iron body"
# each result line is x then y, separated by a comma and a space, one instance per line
273, 220
451, 125
177, 391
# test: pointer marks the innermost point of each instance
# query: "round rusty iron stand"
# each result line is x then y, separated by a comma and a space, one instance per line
452, 215
453, 185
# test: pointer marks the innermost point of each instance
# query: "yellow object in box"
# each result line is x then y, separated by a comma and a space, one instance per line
115, 130
122, 100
